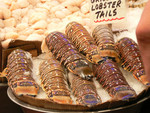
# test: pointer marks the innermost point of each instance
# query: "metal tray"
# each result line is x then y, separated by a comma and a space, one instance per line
132, 108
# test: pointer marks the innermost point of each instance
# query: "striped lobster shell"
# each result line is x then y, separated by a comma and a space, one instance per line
53, 81
105, 40
19, 73
112, 80
84, 91
131, 59
83, 41
66, 53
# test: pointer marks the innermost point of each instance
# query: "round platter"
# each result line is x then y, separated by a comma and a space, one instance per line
132, 108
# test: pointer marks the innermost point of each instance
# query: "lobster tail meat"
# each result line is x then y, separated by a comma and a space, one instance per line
84, 91
83, 41
131, 59
53, 81
105, 40
111, 78
68, 55
19, 73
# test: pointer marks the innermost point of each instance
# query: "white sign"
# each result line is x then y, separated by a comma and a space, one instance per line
107, 11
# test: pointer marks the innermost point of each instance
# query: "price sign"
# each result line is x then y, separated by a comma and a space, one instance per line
107, 11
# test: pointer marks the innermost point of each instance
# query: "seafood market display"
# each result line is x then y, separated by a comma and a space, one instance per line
77, 69
83, 41
84, 71
84, 91
54, 82
131, 59
105, 40
63, 50
19, 73
111, 78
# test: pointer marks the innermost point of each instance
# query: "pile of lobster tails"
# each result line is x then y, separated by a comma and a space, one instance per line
77, 68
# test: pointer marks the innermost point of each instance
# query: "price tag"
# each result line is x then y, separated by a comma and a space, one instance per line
107, 11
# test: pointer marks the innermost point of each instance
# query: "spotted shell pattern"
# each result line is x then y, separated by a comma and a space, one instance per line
83, 41
19, 73
111, 78
131, 59
64, 51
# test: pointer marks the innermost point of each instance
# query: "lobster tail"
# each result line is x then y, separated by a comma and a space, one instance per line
105, 40
53, 81
83, 41
66, 53
19, 73
84, 91
131, 59
111, 78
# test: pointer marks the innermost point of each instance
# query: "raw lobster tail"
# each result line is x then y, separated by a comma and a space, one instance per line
131, 59
111, 78
83, 41
19, 73
84, 91
67, 54
105, 40
54, 82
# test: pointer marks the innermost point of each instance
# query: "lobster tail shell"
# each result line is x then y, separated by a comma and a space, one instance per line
68, 55
131, 59
19, 73
83, 41
105, 40
53, 81
84, 91
111, 78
